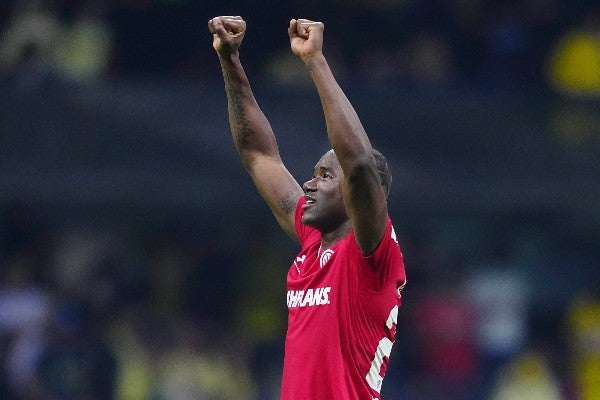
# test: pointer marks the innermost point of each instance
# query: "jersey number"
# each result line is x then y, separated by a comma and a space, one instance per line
384, 349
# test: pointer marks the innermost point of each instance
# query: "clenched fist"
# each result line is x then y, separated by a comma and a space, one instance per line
306, 37
228, 32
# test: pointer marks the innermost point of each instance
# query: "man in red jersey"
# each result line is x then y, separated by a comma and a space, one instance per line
344, 285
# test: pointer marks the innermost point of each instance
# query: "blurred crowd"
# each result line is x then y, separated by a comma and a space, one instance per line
497, 306
492, 44
87, 313
495, 309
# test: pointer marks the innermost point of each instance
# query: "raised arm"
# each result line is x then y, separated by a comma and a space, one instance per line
364, 196
252, 134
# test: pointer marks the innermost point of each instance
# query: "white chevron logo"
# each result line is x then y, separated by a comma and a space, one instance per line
325, 257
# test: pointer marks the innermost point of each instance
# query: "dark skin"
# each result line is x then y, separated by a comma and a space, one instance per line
324, 208
345, 192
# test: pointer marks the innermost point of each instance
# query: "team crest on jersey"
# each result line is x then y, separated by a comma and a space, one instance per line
325, 257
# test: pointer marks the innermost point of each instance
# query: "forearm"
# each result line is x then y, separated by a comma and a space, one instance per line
250, 129
345, 131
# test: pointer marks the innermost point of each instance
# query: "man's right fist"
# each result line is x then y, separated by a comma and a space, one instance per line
228, 32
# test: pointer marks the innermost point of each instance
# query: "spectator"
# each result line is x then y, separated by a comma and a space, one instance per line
527, 376
573, 67
29, 41
76, 363
583, 334
85, 49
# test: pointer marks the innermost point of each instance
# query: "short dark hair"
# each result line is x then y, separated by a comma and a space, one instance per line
384, 171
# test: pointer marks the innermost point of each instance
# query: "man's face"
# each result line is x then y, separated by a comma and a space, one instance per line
324, 208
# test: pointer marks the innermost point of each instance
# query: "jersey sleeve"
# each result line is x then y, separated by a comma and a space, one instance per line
386, 265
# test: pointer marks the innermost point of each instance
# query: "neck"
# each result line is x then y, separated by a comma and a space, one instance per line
328, 239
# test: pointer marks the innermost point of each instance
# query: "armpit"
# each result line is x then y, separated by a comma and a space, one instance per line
288, 205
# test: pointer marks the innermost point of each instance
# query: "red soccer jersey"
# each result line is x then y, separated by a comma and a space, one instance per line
342, 313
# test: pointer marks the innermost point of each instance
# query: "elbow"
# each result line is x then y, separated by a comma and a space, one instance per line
361, 167
366, 174
370, 169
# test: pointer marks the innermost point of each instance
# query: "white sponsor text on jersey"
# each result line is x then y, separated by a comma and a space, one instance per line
308, 298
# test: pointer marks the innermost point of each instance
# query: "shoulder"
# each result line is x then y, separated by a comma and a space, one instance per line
385, 265
389, 240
